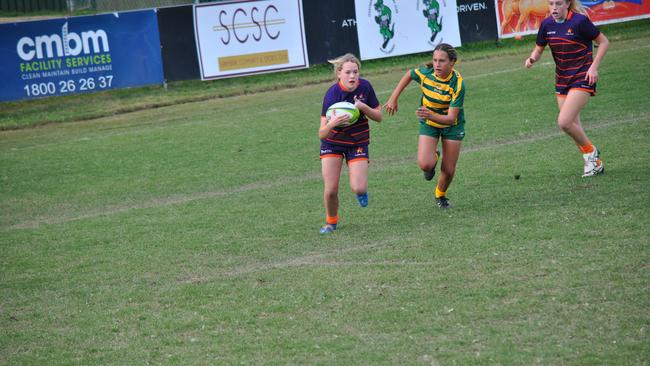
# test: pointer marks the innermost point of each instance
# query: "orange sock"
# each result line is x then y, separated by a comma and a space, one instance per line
333, 220
587, 148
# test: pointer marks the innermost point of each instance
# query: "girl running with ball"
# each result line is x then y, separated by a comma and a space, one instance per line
349, 142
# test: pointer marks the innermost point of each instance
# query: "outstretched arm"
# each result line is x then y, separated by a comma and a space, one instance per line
391, 104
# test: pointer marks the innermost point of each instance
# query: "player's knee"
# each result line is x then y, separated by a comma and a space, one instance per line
426, 166
564, 123
449, 171
331, 193
358, 186
359, 189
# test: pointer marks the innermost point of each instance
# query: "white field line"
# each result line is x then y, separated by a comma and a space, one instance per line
309, 259
265, 185
323, 258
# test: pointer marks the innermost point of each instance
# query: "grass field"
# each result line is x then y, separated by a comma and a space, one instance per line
188, 234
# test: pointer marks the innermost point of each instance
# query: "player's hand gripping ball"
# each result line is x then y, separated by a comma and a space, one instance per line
340, 108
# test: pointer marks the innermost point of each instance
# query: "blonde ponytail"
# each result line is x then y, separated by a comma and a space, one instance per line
577, 7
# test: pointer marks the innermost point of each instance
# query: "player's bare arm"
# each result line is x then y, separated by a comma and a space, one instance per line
391, 104
443, 119
534, 56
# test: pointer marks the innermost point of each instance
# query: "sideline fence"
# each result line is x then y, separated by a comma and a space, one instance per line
32, 6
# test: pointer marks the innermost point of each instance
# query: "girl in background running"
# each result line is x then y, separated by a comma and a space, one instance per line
569, 34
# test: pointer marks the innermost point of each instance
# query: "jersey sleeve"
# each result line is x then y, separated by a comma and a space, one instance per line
372, 100
541, 38
415, 76
588, 30
458, 97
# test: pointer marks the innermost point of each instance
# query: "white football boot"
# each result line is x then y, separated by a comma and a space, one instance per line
593, 164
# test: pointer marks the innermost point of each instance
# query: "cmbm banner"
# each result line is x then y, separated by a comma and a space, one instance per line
392, 28
79, 54
236, 38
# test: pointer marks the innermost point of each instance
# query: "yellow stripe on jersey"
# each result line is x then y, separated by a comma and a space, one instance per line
438, 94
435, 84
433, 124
438, 86
459, 87
435, 95
429, 104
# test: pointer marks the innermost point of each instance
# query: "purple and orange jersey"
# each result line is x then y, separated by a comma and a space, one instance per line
571, 45
358, 133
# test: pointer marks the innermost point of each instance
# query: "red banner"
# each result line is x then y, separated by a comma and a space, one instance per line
520, 17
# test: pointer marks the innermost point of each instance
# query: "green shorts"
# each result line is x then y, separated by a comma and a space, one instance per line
456, 132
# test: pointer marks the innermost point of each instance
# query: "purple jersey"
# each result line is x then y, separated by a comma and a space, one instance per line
571, 45
358, 133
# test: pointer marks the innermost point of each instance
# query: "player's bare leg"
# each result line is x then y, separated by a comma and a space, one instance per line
331, 169
569, 121
450, 155
359, 180
427, 155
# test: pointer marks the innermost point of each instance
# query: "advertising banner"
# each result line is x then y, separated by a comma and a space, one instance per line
235, 38
390, 28
331, 29
79, 54
477, 20
521, 17
176, 27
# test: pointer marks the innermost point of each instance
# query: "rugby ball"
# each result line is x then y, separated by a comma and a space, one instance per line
348, 108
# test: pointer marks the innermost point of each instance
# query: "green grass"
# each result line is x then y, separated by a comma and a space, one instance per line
188, 234
30, 113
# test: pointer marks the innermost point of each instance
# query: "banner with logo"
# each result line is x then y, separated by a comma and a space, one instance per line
330, 29
390, 28
177, 46
477, 21
79, 55
521, 17
236, 38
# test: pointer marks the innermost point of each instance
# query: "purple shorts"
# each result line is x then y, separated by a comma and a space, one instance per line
350, 153
583, 85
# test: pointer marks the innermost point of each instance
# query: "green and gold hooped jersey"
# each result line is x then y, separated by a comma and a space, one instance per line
440, 94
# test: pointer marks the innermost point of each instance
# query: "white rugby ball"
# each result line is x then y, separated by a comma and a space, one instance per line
340, 108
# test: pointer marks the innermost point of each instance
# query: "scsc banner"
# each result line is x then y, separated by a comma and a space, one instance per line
236, 38
79, 54
391, 28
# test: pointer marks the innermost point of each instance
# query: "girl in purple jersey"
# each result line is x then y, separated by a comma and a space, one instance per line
569, 34
349, 142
